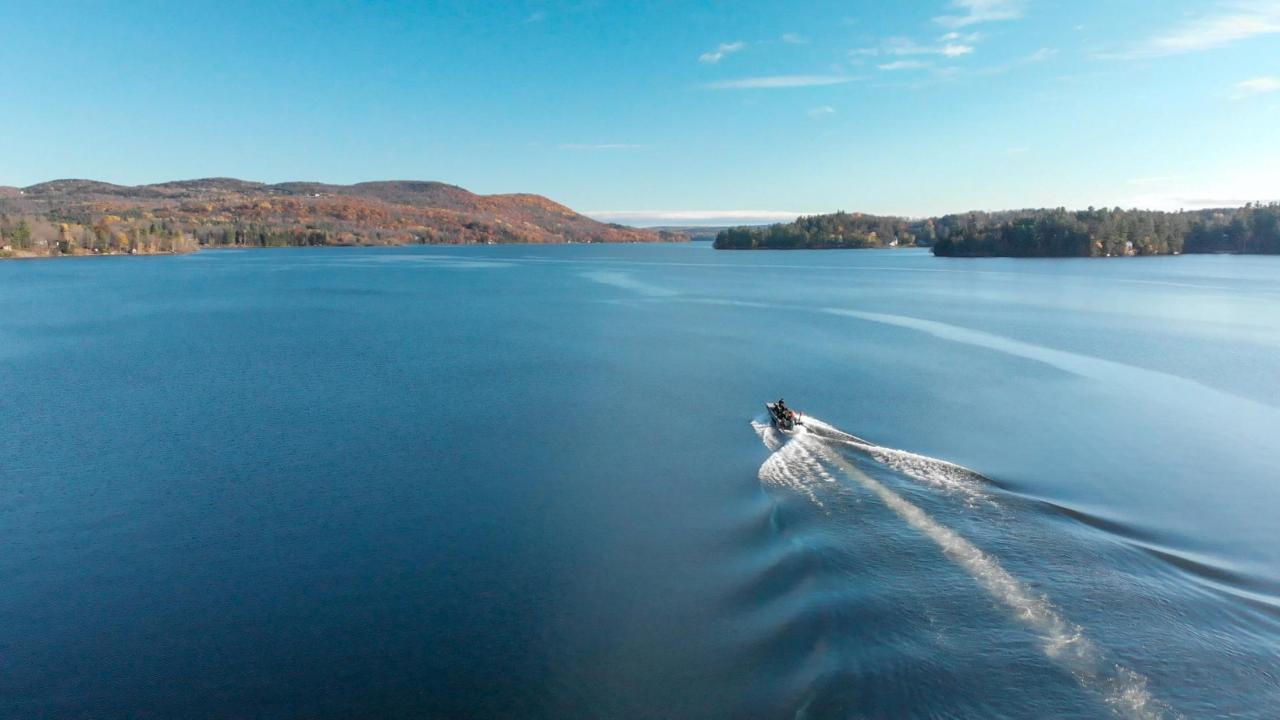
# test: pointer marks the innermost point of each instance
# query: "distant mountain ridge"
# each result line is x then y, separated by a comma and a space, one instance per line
76, 216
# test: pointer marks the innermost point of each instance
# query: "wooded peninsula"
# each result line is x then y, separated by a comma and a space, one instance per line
1254, 228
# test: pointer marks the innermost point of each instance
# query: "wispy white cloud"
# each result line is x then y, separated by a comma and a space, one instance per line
723, 49
907, 46
1222, 201
1039, 56
1233, 22
781, 81
903, 46
1178, 201
536, 16
795, 38
821, 111
953, 45
601, 146
945, 73
1256, 86
905, 65
972, 12
694, 217
1231, 189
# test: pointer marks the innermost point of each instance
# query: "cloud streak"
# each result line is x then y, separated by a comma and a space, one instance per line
1173, 202
693, 217
1256, 86
1040, 55
905, 65
722, 50
600, 146
769, 82
1197, 192
953, 45
1237, 21
972, 12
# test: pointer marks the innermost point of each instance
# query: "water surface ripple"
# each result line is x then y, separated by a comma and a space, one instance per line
523, 482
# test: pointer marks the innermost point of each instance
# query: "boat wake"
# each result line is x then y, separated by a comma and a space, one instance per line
810, 458
949, 477
792, 466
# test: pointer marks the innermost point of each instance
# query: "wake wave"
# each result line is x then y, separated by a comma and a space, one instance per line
792, 465
1088, 366
627, 282
941, 474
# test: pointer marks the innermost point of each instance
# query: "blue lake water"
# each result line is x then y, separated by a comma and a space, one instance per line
534, 482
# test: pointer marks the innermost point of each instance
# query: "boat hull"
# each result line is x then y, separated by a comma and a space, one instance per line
781, 421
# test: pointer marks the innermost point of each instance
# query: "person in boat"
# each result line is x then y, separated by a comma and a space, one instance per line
784, 412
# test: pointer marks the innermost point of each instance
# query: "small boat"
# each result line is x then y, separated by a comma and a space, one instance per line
783, 417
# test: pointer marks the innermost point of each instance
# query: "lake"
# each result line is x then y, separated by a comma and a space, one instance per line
536, 482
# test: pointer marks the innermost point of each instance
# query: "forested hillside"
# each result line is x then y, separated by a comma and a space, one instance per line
76, 217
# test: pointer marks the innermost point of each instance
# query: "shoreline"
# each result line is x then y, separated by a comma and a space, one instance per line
218, 248
901, 248
59, 256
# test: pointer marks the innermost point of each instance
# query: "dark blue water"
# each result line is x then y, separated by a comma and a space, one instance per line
525, 482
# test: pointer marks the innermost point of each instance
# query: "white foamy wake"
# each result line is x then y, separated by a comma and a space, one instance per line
791, 465
947, 476
799, 458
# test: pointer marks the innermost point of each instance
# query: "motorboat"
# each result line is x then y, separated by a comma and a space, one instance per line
783, 417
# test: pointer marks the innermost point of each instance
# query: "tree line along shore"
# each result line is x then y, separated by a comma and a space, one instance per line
1057, 232
68, 218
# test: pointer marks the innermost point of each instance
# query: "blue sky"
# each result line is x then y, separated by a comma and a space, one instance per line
662, 112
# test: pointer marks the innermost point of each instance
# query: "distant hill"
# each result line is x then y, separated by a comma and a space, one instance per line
88, 216
693, 232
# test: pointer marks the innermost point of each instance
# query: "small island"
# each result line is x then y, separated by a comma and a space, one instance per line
1252, 229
